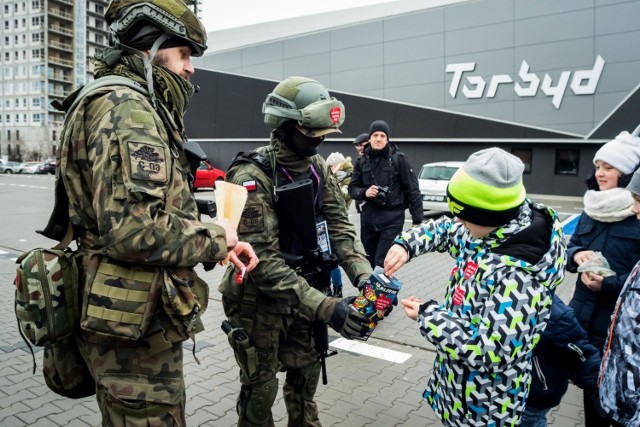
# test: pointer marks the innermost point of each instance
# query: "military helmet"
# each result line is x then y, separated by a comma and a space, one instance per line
172, 16
308, 103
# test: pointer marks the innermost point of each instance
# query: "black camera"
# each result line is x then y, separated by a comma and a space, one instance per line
383, 196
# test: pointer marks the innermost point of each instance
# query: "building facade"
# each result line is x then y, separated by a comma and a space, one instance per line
550, 81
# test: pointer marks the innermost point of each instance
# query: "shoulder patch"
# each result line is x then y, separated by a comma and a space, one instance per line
148, 162
252, 219
142, 117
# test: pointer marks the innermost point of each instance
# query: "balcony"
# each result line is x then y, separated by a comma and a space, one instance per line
60, 61
62, 15
60, 46
61, 30
60, 78
68, 2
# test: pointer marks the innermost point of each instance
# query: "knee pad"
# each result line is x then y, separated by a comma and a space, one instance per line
304, 381
258, 400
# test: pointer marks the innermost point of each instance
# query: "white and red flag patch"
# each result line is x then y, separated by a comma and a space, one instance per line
250, 185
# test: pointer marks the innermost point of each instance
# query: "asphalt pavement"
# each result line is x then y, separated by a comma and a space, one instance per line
377, 383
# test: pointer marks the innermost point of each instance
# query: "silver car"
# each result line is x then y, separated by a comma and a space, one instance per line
9, 167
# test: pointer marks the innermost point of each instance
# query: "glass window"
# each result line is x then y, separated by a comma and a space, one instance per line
524, 154
567, 162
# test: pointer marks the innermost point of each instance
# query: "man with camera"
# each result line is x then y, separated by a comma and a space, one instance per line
383, 178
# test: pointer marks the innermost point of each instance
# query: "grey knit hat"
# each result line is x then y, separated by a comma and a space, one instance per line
487, 190
634, 184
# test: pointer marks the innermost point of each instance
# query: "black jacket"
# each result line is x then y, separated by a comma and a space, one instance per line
563, 353
386, 168
619, 243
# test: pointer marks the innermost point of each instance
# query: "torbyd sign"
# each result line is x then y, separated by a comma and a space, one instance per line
584, 82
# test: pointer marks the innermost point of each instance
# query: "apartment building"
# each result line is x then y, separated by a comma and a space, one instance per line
45, 52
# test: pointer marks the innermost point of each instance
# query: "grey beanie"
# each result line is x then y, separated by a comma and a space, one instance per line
362, 138
487, 190
381, 126
634, 184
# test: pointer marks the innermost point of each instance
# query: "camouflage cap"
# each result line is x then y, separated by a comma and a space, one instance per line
172, 16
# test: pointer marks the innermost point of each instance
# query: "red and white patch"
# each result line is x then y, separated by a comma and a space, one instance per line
335, 113
470, 270
458, 296
250, 185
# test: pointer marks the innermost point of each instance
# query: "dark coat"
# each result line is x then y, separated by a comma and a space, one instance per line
563, 353
386, 168
619, 243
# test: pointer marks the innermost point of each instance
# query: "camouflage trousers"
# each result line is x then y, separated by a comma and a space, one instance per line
137, 385
283, 343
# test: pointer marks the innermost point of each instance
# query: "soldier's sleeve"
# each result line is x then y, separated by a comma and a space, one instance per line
342, 234
134, 173
259, 226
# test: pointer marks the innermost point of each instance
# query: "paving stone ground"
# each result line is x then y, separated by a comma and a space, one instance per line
362, 391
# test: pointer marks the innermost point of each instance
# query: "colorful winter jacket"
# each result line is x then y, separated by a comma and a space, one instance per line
620, 371
496, 304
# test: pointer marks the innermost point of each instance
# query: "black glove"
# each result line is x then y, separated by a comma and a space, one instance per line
348, 321
361, 283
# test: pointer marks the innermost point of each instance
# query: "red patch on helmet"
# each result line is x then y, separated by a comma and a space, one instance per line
335, 113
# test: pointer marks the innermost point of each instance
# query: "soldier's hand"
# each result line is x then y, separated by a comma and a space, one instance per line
243, 256
348, 321
229, 231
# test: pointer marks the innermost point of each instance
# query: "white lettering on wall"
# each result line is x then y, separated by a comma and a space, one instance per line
584, 82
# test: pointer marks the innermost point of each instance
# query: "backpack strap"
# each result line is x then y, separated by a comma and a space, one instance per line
59, 226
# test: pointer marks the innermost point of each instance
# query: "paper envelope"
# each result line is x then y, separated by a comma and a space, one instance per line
230, 201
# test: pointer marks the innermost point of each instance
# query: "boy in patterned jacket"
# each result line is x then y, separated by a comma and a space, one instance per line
510, 255
620, 370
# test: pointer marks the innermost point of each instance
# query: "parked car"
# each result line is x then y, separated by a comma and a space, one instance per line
29, 167
433, 180
9, 167
49, 166
207, 175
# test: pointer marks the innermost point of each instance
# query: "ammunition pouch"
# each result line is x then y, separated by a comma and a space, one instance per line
243, 349
184, 297
119, 299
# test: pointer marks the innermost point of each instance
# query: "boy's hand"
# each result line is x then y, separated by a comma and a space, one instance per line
593, 281
396, 258
411, 306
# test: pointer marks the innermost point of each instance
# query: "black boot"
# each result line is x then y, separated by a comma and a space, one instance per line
337, 291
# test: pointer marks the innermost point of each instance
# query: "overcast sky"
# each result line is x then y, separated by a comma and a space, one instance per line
219, 15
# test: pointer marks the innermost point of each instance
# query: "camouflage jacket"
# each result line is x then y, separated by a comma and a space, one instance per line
259, 226
127, 189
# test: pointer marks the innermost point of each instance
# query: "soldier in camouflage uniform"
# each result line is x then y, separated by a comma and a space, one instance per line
135, 220
275, 304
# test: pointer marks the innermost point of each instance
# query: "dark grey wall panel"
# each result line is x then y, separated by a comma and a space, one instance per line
359, 81
423, 94
267, 70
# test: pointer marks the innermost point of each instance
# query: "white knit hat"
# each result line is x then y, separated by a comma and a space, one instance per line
623, 152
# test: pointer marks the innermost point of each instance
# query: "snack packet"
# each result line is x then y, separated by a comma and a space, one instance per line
376, 298
597, 264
